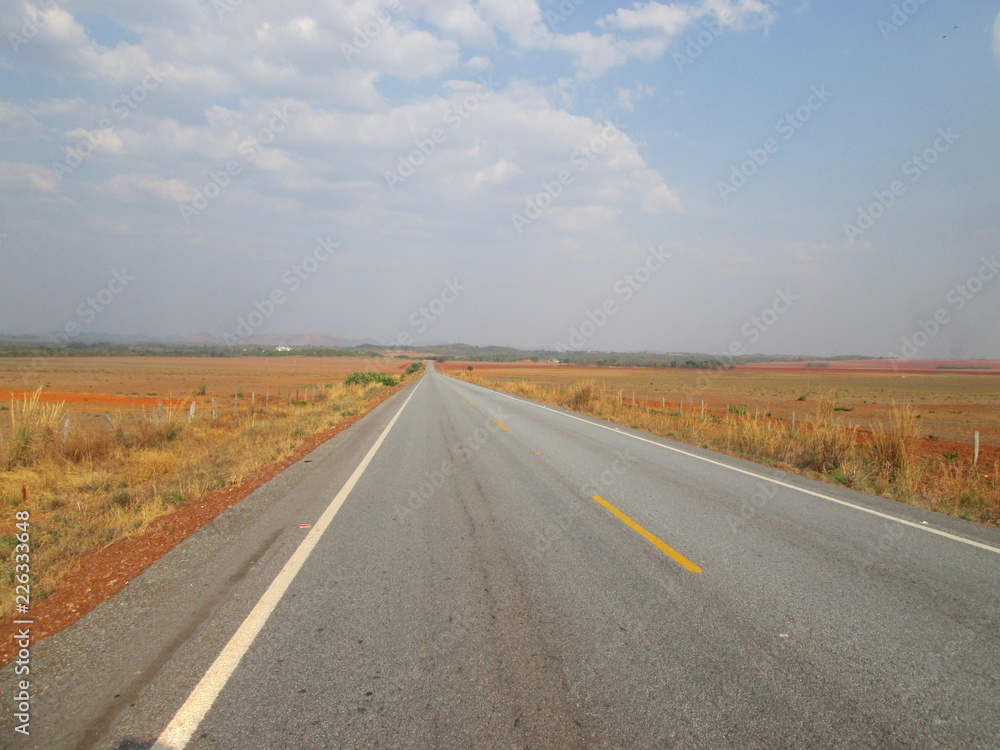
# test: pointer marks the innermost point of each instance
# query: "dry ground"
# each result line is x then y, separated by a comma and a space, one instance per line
908, 437
950, 406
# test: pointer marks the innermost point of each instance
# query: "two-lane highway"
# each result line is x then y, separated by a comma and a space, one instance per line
482, 571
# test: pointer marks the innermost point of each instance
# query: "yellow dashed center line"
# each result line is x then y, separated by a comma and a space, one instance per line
500, 425
651, 538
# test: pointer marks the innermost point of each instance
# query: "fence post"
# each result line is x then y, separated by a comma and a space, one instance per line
253, 400
236, 404
159, 412
975, 448
215, 410
267, 398
191, 413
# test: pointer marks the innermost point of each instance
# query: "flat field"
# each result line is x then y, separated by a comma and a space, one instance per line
949, 404
93, 386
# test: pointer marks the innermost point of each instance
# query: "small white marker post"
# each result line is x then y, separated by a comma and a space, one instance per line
975, 448
191, 412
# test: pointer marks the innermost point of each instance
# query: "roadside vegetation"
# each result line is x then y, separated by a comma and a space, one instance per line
882, 461
87, 485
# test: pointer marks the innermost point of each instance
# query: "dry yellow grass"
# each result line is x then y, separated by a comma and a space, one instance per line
92, 484
820, 445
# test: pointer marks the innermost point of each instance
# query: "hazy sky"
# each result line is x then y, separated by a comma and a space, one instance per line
775, 177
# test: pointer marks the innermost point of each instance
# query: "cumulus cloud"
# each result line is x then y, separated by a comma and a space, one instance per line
20, 176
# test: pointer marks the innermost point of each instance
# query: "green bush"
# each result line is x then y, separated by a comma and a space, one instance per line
364, 378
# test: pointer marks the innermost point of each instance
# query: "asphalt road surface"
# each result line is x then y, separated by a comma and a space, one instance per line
482, 572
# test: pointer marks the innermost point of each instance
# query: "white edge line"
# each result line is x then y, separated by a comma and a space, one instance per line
185, 722
778, 482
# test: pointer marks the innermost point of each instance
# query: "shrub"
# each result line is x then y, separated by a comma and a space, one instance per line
893, 447
366, 378
826, 445
581, 395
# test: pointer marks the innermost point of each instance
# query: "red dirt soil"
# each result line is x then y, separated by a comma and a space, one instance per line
902, 366
76, 397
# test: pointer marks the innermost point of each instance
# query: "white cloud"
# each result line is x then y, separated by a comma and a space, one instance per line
17, 122
128, 187
109, 142
20, 176
655, 196
521, 20
627, 97
478, 63
459, 19
669, 20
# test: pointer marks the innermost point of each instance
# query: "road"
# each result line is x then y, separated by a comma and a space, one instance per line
482, 572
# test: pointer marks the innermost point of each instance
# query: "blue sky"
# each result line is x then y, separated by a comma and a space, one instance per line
690, 176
